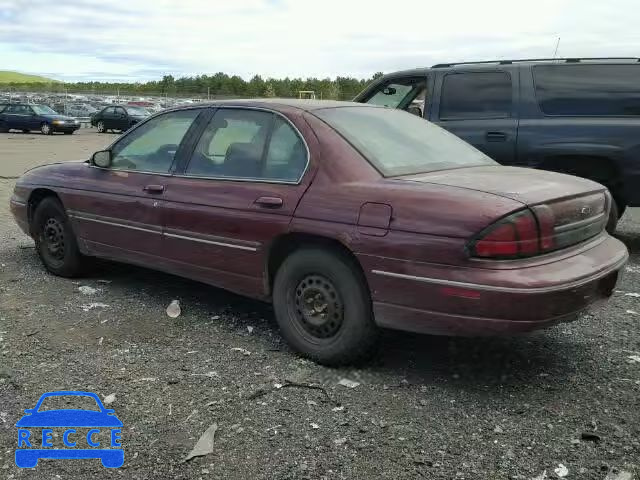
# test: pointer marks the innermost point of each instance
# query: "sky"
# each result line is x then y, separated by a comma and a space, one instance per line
138, 40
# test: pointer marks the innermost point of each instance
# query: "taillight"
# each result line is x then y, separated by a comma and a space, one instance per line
515, 236
543, 228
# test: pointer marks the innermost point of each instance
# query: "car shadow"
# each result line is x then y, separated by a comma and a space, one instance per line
479, 361
471, 361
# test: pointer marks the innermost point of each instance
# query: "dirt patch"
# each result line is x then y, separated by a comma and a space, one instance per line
426, 407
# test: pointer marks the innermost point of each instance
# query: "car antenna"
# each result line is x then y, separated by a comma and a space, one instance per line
555, 53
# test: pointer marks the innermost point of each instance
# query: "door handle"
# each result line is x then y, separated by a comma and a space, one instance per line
496, 137
269, 202
154, 188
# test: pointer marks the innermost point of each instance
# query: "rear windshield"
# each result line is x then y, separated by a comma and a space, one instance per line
399, 143
601, 90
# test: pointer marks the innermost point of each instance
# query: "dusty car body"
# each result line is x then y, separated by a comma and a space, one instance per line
343, 238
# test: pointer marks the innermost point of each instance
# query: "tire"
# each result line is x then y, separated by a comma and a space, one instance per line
338, 334
3, 128
101, 128
56, 243
46, 129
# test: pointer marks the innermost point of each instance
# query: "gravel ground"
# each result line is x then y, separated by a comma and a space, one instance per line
425, 407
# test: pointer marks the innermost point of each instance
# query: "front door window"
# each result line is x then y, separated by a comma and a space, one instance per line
152, 146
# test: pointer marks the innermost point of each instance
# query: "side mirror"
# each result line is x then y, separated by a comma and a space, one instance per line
30, 410
102, 159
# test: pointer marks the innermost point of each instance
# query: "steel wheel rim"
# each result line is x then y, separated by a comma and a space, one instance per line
317, 307
45, 128
100, 127
54, 239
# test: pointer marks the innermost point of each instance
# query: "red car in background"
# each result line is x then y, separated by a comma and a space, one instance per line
347, 217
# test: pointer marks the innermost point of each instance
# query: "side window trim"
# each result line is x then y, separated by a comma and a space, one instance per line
462, 72
183, 143
181, 170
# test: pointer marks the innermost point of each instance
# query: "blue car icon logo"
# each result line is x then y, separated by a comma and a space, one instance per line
69, 433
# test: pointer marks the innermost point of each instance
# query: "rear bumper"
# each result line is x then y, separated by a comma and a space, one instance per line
498, 301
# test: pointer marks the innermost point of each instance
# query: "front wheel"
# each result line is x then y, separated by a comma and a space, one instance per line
323, 307
46, 129
101, 128
55, 241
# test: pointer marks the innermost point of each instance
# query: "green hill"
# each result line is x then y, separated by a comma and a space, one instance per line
15, 77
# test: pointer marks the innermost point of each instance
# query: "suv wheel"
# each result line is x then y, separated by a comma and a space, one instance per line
617, 210
323, 307
55, 241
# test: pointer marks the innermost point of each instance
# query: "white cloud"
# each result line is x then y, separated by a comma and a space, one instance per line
146, 38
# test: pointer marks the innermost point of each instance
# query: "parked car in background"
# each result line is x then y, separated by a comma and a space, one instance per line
79, 110
120, 117
575, 116
26, 117
348, 217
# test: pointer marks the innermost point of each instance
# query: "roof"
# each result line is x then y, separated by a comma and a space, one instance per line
301, 104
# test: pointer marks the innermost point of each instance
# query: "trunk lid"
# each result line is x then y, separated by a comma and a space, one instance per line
568, 209
524, 185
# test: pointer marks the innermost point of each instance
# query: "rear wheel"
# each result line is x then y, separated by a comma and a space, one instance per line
323, 307
101, 128
46, 129
55, 241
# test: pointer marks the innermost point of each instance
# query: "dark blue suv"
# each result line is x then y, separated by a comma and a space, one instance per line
579, 116
27, 117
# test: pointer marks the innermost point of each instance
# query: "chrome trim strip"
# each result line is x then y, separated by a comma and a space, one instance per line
114, 224
241, 179
580, 223
219, 241
211, 242
143, 172
494, 288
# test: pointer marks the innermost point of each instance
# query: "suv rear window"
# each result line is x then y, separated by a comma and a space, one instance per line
476, 95
602, 90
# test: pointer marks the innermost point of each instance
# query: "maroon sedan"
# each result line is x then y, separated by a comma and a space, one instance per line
348, 217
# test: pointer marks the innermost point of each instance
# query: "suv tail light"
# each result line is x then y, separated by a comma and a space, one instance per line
543, 228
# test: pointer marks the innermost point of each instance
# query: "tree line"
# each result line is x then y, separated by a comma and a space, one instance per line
220, 84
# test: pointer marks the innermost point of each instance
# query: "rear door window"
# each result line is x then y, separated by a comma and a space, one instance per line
476, 95
600, 90
249, 145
